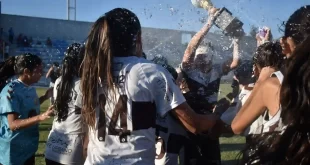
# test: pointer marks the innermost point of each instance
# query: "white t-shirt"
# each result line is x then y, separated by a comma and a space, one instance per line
232, 111
170, 141
205, 78
143, 89
64, 144
208, 84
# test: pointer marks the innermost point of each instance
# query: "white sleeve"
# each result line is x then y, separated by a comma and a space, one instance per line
55, 88
166, 94
79, 100
79, 97
245, 98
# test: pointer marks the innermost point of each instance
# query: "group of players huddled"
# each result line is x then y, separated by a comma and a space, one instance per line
112, 106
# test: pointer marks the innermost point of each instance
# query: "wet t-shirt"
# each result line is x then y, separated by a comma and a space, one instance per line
125, 122
204, 88
19, 145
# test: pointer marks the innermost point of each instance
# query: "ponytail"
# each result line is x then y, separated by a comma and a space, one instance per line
6, 71
64, 88
15, 65
69, 71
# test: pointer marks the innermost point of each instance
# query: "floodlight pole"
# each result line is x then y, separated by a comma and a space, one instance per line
71, 7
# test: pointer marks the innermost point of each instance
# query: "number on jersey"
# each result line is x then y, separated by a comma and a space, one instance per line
160, 148
120, 111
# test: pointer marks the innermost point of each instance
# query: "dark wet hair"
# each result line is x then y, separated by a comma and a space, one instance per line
244, 72
269, 54
56, 64
116, 34
144, 55
161, 60
293, 145
69, 71
298, 25
76, 50
15, 65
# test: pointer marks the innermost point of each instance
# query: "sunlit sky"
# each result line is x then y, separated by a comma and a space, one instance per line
168, 14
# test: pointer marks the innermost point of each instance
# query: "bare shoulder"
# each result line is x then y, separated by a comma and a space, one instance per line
272, 84
269, 85
271, 91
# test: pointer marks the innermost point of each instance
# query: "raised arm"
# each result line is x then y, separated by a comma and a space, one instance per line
49, 72
189, 53
268, 36
234, 62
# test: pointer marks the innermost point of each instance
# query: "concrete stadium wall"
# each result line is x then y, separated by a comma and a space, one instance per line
155, 41
166, 42
44, 27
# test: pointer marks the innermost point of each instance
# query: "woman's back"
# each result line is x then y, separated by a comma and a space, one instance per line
125, 121
73, 123
65, 141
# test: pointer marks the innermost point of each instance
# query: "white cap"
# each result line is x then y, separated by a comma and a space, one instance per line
202, 50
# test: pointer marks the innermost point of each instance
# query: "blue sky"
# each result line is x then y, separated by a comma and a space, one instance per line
169, 14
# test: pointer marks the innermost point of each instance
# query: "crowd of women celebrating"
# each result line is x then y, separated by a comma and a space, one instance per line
113, 106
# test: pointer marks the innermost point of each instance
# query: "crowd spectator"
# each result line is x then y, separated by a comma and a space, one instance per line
19, 40
11, 35
49, 42
6, 50
53, 73
25, 41
1, 49
30, 41
39, 43
1, 33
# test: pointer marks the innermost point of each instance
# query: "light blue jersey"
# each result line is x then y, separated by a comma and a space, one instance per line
18, 146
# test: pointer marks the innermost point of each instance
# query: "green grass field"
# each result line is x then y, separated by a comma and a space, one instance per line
229, 146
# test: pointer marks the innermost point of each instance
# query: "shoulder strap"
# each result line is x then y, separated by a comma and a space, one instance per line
279, 75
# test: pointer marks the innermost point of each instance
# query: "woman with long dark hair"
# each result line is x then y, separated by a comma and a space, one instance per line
20, 110
267, 55
122, 94
266, 89
6, 71
65, 141
289, 145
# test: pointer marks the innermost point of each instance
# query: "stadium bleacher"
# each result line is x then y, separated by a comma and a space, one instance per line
48, 54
